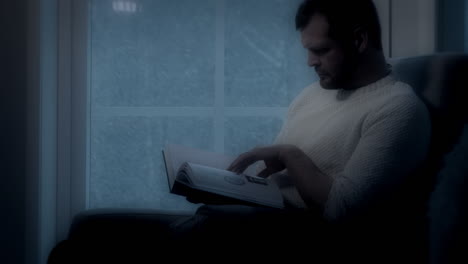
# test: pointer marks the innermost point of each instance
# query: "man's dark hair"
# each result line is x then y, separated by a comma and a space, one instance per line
343, 16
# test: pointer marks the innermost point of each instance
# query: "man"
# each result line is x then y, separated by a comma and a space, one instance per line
354, 137
352, 142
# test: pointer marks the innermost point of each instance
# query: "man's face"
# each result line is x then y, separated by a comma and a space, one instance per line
332, 64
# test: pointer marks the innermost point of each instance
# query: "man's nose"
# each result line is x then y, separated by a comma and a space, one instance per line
313, 60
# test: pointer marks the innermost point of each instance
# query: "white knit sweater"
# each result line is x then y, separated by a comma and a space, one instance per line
367, 140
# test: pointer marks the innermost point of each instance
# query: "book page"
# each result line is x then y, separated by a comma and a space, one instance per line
183, 154
176, 155
242, 186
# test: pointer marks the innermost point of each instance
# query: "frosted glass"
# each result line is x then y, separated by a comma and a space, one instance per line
146, 55
127, 169
263, 53
244, 133
154, 53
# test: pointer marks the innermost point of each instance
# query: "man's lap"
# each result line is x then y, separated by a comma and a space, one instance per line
223, 226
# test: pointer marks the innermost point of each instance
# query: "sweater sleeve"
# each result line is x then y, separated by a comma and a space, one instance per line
394, 141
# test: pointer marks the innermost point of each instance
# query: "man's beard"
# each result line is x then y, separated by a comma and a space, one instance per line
344, 78
339, 81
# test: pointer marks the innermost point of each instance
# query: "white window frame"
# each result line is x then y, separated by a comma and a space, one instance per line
402, 18
73, 112
55, 163
414, 32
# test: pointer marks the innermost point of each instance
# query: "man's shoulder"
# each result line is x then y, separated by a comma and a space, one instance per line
398, 94
305, 95
400, 102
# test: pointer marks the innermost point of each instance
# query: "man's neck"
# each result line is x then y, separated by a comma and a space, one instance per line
371, 69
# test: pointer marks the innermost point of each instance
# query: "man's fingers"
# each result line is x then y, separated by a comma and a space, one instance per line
234, 164
234, 167
242, 162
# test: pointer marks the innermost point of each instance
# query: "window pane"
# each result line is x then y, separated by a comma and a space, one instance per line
180, 71
152, 52
263, 53
127, 168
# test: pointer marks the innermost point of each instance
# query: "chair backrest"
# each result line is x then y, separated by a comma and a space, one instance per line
441, 81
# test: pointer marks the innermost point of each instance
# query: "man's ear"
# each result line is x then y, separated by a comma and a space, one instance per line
361, 39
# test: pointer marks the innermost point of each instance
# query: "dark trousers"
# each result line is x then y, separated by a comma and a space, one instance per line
217, 233
213, 232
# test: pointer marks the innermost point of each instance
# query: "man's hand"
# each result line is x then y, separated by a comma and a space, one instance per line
271, 155
313, 185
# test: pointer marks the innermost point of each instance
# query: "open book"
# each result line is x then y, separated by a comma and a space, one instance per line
191, 170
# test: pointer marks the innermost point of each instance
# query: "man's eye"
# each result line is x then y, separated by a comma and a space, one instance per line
321, 51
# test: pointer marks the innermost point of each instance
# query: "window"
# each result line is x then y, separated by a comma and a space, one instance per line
211, 74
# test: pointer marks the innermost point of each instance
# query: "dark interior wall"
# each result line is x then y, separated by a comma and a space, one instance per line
452, 25
13, 105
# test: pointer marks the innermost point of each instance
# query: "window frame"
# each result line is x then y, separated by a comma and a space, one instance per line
72, 112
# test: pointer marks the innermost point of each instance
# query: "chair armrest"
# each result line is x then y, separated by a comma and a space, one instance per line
111, 234
114, 223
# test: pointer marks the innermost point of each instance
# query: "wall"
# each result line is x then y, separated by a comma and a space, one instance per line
466, 25
452, 26
13, 106
412, 27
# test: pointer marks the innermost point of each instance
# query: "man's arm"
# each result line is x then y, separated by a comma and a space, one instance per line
312, 184
394, 141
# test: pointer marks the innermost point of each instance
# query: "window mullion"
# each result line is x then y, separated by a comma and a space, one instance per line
219, 77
